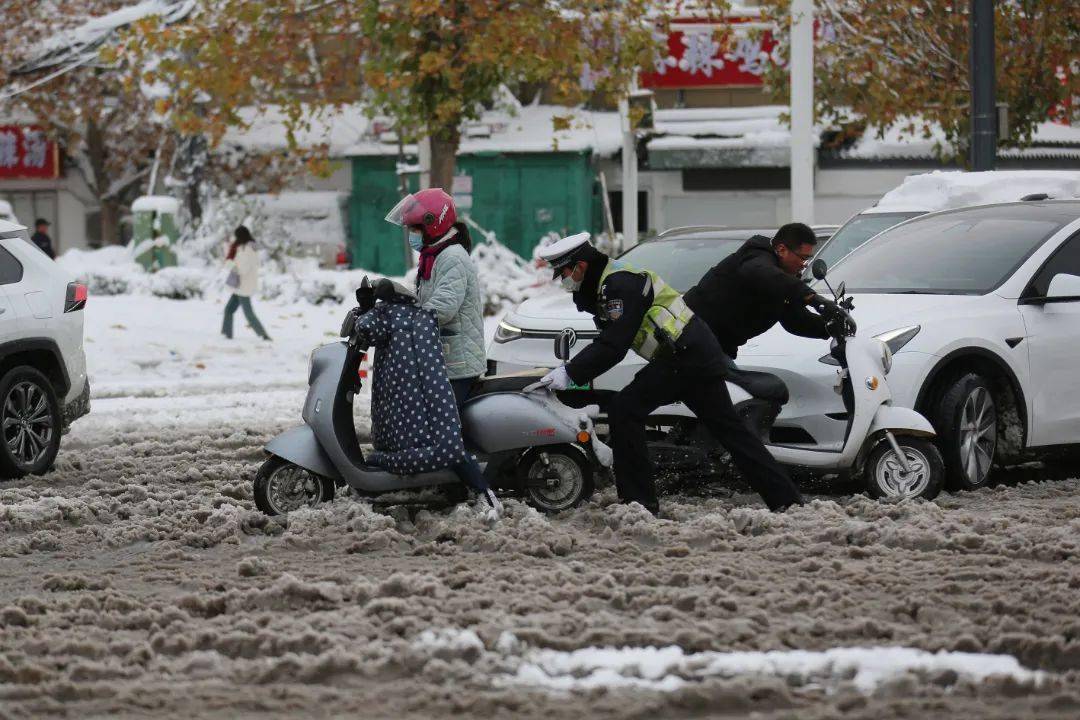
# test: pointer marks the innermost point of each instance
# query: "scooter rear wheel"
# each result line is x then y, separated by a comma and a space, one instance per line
567, 479
281, 487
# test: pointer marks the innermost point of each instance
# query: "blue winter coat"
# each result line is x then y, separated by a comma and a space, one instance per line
414, 419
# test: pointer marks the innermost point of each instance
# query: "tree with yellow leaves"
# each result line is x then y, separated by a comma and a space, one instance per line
880, 62
431, 65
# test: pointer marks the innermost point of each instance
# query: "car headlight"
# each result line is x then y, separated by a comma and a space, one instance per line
898, 338
506, 332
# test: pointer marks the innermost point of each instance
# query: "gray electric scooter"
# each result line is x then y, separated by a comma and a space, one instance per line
528, 442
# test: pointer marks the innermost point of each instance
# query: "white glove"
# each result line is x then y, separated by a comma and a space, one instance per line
557, 379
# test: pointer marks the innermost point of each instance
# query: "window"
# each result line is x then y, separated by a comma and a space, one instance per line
857, 231
962, 252
681, 263
11, 270
1065, 260
736, 179
615, 198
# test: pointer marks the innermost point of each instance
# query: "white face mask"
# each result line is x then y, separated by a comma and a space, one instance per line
416, 241
570, 284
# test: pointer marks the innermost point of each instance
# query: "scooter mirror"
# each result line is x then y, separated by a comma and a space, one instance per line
365, 296
819, 269
840, 290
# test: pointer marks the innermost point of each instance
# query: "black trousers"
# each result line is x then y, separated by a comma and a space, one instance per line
707, 397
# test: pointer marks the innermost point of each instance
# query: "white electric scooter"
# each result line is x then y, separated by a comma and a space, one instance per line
889, 448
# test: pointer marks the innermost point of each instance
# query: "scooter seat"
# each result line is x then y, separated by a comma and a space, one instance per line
763, 385
515, 382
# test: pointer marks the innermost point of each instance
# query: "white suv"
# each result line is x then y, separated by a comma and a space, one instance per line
43, 384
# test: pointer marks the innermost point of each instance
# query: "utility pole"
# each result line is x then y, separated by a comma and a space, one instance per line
629, 178
802, 111
981, 67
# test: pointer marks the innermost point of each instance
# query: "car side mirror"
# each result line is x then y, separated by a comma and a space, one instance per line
563, 342
1064, 286
820, 269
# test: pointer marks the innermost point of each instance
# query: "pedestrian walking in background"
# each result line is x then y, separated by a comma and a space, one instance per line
243, 263
41, 237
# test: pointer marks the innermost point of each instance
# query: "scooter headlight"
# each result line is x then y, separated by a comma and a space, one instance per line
506, 332
886, 357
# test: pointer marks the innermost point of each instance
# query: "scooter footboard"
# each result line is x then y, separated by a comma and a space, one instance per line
300, 447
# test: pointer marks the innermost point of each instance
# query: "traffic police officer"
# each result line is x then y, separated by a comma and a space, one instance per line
635, 309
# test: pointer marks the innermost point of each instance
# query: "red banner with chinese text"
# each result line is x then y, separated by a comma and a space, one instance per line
695, 59
26, 152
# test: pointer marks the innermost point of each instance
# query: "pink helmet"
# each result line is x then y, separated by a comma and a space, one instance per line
431, 210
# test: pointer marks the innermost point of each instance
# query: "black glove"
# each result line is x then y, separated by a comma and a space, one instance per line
841, 324
826, 308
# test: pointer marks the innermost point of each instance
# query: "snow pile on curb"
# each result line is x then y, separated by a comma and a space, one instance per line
506, 279
943, 190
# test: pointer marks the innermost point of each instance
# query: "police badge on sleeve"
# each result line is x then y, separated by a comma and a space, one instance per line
614, 309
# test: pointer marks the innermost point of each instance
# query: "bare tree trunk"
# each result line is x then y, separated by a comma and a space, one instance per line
110, 222
109, 215
444, 159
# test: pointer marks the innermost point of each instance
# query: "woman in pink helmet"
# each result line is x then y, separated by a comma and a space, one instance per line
447, 284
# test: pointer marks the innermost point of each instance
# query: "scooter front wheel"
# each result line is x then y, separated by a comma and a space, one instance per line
886, 477
556, 478
281, 487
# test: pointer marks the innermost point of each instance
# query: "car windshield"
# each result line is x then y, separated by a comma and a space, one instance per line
858, 230
682, 262
966, 252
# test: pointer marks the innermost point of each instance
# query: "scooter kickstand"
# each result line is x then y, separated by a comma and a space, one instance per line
899, 453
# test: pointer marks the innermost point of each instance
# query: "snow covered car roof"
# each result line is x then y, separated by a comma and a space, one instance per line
10, 227
940, 190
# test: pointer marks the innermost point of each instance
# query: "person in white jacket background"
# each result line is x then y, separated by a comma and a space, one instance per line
243, 263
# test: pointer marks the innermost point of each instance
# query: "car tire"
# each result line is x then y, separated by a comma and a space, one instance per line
30, 422
966, 424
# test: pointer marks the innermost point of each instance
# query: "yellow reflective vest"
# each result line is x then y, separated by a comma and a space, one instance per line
665, 319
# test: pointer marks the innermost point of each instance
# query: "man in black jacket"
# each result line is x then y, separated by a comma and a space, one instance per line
759, 285
635, 309
41, 237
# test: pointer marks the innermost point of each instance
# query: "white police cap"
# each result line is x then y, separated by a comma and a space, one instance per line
562, 252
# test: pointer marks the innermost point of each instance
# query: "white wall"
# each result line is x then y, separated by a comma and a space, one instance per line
340, 179
64, 203
839, 193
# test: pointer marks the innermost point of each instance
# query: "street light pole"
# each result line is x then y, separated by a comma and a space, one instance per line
629, 178
802, 111
981, 68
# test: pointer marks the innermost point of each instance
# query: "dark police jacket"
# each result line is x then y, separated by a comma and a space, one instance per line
618, 307
748, 292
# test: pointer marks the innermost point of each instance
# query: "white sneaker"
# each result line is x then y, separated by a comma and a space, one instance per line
496, 511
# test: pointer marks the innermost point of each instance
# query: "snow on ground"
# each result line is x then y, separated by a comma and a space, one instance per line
140, 579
